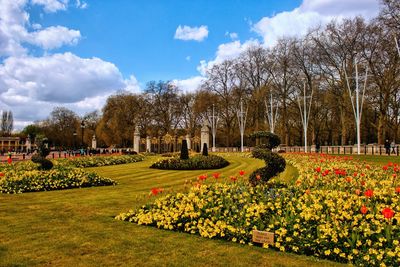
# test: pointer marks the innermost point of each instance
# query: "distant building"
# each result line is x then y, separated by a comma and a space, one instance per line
11, 144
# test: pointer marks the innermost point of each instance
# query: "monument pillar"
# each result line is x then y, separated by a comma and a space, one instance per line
205, 136
189, 145
136, 140
94, 142
148, 144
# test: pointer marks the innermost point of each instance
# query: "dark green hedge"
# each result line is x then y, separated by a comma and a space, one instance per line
198, 162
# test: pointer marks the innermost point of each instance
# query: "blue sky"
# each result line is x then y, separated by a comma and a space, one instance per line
76, 53
138, 36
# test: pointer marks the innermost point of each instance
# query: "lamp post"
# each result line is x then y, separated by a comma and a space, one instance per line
82, 130
74, 134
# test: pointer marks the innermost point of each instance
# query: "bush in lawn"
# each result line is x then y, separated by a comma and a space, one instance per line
184, 150
205, 150
198, 162
274, 163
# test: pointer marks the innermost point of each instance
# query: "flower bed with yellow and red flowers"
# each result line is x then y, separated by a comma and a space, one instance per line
338, 209
26, 176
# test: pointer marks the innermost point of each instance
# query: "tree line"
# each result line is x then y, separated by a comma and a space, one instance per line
323, 62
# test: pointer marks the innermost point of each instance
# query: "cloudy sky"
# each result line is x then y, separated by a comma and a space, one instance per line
75, 53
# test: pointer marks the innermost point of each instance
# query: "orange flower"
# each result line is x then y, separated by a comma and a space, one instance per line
388, 213
1, 174
397, 189
358, 192
241, 172
364, 209
308, 191
348, 179
233, 178
369, 193
258, 177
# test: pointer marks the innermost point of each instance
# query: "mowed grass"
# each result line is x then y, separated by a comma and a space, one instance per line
76, 227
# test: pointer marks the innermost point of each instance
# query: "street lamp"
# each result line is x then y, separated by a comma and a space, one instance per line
82, 129
74, 134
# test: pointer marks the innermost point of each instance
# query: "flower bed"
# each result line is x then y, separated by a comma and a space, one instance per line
97, 161
25, 177
338, 209
198, 162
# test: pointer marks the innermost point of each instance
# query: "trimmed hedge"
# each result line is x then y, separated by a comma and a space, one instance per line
198, 162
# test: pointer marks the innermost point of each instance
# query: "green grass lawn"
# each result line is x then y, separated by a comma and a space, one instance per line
76, 227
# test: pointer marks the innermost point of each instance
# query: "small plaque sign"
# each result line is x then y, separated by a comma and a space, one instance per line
263, 237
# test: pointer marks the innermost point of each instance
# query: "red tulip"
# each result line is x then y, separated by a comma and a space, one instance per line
385, 168
364, 209
241, 172
156, 191
397, 189
203, 177
9, 160
388, 213
233, 178
369, 193
216, 175
318, 169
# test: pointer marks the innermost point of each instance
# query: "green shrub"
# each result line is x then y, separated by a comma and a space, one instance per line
45, 164
274, 163
184, 150
198, 162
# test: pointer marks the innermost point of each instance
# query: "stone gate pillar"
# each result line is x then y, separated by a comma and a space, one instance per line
94, 142
205, 136
136, 140
148, 144
189, 145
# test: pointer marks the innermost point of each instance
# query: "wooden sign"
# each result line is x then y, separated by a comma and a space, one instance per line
263, 237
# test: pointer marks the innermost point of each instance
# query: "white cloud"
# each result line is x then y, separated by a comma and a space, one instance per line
189, 85
226, 51
14, 22
54, 37
312, 13
188, 58
232, 35
187, 33
32, 86
81, 5
52, 6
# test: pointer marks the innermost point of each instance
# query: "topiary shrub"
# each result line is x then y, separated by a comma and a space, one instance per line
205, 150
274, 163
197, 162
43, 152
184, 150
